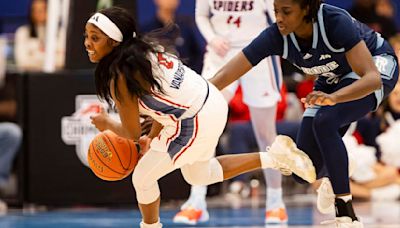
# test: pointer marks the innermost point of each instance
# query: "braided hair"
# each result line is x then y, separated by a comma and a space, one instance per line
313, 6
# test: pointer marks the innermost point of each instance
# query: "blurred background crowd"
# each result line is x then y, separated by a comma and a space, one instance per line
23, 34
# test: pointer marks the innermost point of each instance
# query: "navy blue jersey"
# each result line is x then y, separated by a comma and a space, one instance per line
334, 33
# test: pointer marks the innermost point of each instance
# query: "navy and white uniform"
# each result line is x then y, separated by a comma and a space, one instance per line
193, 114
326, 58
192, 111
334, 33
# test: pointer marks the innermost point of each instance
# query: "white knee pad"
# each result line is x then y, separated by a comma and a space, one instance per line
147, 191
203, 173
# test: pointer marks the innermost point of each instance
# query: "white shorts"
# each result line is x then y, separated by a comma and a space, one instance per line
194, 139
260, 86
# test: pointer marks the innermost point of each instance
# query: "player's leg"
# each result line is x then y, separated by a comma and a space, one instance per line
151, 167
264, 126
349, 112
261, 92
326, 126
282, 155
197, 197
196, 203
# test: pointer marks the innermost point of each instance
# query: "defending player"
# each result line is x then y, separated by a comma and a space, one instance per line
356, 69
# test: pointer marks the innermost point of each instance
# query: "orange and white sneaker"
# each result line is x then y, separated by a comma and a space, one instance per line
191, 216
276, 216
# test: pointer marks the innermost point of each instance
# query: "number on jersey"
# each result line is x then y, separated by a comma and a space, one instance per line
163, 61
232, 20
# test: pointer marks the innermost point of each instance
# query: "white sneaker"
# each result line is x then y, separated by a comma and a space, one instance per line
325, 197
325, 194
155, 225
344, 222
191, 216
289, 159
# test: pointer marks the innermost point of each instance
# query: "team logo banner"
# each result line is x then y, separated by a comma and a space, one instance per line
77, 129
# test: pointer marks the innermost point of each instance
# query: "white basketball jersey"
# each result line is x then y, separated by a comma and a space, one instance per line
239, 21
184, 91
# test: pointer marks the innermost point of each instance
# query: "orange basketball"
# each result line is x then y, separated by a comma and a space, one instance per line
112, 157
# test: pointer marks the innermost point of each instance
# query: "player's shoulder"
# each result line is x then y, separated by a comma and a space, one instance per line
333, 15
273, 32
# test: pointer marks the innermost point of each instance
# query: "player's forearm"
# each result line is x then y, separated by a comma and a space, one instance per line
232, 71
120, 130
369, 83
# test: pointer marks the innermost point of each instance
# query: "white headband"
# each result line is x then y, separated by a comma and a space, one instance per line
106, 26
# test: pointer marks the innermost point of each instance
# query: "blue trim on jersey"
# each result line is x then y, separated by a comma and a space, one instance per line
393, 65
351, 75
187, 128
311, 111
164, 108
276, 72
387, 66
294, 41
323, 32
285, 48
315, 35
379, 41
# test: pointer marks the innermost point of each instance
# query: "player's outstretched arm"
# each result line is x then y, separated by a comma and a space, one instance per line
231, 71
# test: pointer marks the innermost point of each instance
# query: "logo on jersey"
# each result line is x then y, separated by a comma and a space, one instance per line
233, 6
77, 129
322, 57
318, 70
307, 56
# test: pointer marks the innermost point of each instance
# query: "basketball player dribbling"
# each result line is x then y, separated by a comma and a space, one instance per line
140, 76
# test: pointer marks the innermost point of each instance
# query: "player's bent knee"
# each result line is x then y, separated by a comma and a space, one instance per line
192, 178
147, 191
203, 173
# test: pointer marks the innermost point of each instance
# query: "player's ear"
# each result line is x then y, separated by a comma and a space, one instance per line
113, 43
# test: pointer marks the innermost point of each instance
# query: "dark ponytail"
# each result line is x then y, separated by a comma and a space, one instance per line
131, 57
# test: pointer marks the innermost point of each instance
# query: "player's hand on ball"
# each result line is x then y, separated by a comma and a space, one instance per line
101, 119
220, 45
319, 98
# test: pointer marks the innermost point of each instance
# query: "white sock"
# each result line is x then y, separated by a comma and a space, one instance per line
198, 191
274, 198
346, 198
154, 225
197, 198
266, 161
